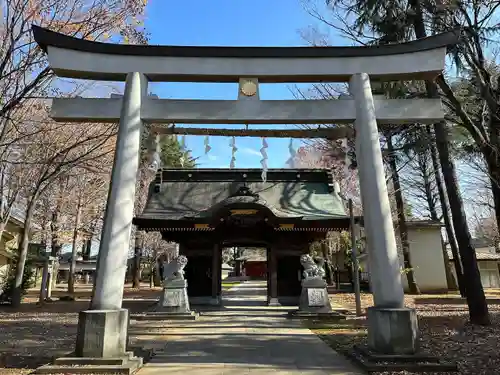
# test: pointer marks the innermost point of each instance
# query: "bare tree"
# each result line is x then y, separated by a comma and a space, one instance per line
51, 155
24, 75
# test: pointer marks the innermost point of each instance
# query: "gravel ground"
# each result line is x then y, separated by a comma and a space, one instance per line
444, 330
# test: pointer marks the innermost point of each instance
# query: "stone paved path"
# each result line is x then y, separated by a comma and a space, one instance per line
246, 337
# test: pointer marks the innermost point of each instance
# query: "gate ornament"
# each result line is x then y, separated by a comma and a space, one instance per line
248, 88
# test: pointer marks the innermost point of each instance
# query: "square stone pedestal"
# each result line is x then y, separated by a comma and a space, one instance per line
314, 296
174, 298
314, 301
392, 330
102, 333
173, 304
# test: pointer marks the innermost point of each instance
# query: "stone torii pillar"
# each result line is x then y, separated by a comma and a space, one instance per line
391, 327
102, 330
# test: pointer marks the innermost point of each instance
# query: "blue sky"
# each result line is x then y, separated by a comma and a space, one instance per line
226, 23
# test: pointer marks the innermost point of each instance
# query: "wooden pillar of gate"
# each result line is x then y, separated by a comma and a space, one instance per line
216, 274
272, 291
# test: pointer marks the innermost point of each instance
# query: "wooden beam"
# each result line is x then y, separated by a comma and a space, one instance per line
327, 133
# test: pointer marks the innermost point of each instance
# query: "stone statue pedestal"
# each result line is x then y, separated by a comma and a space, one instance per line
314, 301
174, 298
173, 303
314, 296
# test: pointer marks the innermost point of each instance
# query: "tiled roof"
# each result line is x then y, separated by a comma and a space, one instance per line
481, 254
423, 223
294, 197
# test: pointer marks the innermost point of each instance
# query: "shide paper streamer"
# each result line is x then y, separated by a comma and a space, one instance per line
183, 150
183, 143
263, 162
291, 150
207, 145
232, 143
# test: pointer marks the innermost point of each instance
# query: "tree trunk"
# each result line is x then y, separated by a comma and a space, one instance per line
451, 283
56, 245
423, 158
17, 293
74, 251
86, 249
493, 164
328, 264
136, 268
476, 300
157, 276
403, 228
492, 156
445, 208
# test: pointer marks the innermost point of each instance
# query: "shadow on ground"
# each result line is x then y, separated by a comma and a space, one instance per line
33, 335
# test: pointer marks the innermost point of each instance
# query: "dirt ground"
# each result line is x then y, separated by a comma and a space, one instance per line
34, 335
444, 331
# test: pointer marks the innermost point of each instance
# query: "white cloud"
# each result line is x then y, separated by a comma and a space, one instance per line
250, 151
212, 157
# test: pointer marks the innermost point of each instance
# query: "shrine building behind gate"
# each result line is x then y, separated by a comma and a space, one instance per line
206, 210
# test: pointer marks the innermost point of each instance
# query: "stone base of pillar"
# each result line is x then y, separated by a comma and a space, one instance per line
273, 302
102, 333
124, 365
392, 330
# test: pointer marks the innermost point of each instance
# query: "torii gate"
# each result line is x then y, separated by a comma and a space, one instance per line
392, 327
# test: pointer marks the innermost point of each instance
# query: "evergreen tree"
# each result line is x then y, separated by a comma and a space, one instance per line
172, 154
399, 21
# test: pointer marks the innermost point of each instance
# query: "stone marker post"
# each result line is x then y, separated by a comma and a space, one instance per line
392, 329
102, 330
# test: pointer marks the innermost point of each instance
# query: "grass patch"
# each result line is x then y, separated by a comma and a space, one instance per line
230, 283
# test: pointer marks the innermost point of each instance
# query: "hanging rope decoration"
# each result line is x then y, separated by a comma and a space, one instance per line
232, 143
263, 162
291, 161
207, 145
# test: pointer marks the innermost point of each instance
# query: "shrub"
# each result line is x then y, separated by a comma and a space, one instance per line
8, 281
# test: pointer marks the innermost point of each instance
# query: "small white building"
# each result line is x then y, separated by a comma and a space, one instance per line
488, 262
427, 257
